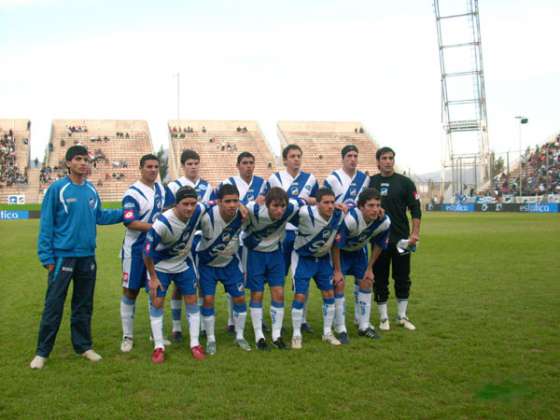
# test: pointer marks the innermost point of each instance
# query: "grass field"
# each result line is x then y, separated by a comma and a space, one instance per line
485, 300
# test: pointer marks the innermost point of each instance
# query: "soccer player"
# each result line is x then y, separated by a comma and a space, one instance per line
250, 187
264, 261
190, 162
142, 203
166, 255
70, 211
350, 256
218, 261
311, 258
347, 183
297, 184
398, 193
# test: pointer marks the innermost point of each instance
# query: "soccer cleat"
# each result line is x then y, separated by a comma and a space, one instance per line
306, 328
198, 352
331, 339
158, 356
384, 325
243, 344
91, 356
369, 332
405, 322
343, 338
279, 344
211, 348
126, 344
297, 342
38, 362
231, 329
177, 336
261, 345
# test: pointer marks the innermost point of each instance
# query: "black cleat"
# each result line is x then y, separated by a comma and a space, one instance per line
177, 336
306, 328
231, 329
343, 338
261, 345
279, 344
369, 333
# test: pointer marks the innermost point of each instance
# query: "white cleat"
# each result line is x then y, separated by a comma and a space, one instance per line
92, 356
405, 322
127, 344
331, 339
384, 325
38, 362
296, 342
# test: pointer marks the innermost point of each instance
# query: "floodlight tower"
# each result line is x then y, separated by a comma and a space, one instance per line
463, 95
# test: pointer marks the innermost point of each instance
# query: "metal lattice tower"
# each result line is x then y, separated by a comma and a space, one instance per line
463, 96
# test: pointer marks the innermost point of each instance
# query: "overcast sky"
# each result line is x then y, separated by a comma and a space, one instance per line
367, 60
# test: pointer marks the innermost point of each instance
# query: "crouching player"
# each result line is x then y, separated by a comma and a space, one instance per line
311, 258
264, 262
168, 243
217, 260
350, 256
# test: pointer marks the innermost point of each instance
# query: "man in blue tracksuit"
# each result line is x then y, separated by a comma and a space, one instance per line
70, 211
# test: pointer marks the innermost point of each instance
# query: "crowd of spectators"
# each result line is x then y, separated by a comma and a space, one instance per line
10, 173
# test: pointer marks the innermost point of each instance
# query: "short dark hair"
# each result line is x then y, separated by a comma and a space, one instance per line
276, 194
347, 149
189, 154
77, 150
244, 155
149, 156
323, 191
185, 192
289, 147
227, 189
368, 194
382, 151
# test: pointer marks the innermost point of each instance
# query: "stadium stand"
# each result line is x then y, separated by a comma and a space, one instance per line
218, 143
115, 148
321, 143
17, 178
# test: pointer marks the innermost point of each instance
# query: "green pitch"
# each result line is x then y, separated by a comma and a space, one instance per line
485, 299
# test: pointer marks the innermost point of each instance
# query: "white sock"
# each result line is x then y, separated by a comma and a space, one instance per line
208, 324
305, 305
230, 309
176, 314
328, 317
339, 315
382, 309
256, 318
193, 318
202, 327
239, 317
297, 320
128, 307
277, 316
364, 305
401, 308
156, 321
356, 305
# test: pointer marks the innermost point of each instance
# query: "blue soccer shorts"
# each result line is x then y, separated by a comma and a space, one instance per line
306, 268
264, 267
231, 276
354, 263
134, 275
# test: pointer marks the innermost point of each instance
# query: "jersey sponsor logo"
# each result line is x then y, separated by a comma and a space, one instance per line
67, 269
71, 200
202, 187
128, 214
326, 233
384, 191
294, 190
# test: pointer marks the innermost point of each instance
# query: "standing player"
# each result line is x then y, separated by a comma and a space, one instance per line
347, 183
217, 260
264, 262
311, 258
250, 187
350, 256
398, 193
142, 203
297, 184
70, 211
190, 162
166, 255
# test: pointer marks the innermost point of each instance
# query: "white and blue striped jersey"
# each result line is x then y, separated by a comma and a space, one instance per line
316, 235
247, 191
264, 234
220, 240
142, 203
355, 233
346, 189
303, 185
169, 240
202, 187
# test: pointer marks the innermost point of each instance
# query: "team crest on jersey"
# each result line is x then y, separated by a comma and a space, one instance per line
353, 192
202, 187
249, 196
92, 202
384, 191
240, 287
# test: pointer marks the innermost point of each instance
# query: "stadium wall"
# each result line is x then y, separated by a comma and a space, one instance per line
496, 208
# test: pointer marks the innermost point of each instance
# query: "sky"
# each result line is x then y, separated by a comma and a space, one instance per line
360, 60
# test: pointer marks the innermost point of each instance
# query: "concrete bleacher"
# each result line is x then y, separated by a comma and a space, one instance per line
321, 143
217, 164
115, 148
